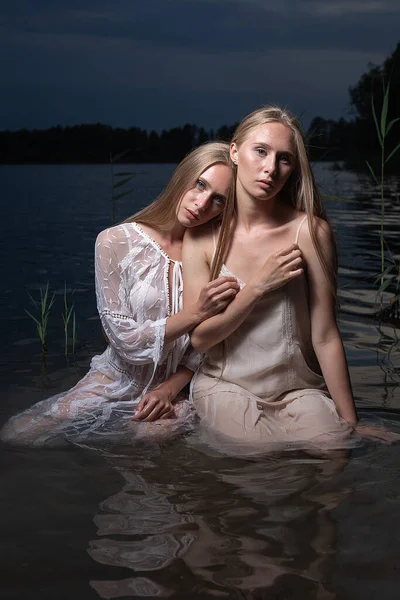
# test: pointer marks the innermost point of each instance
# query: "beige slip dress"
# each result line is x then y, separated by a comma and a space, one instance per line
263, 383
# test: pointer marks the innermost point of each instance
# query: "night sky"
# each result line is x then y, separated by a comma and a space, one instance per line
161, 63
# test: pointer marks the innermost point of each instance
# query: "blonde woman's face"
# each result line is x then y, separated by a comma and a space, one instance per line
265, 160
206, 199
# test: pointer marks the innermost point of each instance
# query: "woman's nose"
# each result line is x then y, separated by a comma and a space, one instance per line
201, 203
270, 164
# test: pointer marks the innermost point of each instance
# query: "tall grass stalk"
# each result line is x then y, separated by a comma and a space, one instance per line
73, 332
118, 180
44, 305
383, 127
67, 315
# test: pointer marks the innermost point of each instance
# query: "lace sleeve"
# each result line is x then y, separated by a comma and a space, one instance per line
191, 359
137, 343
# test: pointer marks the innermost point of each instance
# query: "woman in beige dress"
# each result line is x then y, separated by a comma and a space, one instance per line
274, 370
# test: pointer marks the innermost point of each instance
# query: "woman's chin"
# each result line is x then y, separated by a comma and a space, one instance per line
188, 223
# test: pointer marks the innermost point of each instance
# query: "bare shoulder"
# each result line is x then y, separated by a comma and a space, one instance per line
201, 238
323, 234
202, 233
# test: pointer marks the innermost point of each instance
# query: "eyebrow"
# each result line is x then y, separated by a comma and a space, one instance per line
279, 151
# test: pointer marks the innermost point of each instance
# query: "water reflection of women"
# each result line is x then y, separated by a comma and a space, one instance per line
139, 529
139, 286
275, 352
254, 526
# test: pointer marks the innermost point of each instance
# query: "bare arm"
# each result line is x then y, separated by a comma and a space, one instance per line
279, 268
326, 338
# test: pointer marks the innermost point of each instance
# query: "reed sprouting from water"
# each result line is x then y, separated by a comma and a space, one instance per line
44, 306
118, 180
68, 317
41, 320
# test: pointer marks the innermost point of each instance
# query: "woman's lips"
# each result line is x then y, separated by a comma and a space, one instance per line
192, 216
266, 183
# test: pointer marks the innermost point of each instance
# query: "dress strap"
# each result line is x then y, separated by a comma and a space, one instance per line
298, 229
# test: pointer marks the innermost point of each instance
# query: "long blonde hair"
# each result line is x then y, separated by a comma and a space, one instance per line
300, 189
160, 213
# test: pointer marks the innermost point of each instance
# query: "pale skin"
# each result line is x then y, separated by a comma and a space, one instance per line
203, 201
264, 227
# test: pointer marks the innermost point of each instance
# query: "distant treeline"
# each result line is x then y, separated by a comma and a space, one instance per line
95, 144
353, 141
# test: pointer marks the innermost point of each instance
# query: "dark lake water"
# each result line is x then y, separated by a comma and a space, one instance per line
176, 521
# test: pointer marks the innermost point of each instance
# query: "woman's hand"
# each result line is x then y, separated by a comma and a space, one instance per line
377, 434
279, 268
216, 295
157, 404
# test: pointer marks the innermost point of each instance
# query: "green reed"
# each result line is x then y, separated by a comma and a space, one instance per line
69, 318
44, 306
391, 273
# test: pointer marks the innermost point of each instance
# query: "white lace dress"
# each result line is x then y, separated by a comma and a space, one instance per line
133, 278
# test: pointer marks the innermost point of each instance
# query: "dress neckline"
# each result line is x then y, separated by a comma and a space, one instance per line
229, 272
153, 242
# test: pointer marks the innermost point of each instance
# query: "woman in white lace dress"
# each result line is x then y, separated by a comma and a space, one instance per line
148, 361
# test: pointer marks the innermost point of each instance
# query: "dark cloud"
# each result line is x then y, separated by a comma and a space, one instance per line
159, 63
221, 25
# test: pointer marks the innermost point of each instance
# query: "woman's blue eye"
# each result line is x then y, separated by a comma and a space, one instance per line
260, 151
200, 184
219, 199
284, 158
